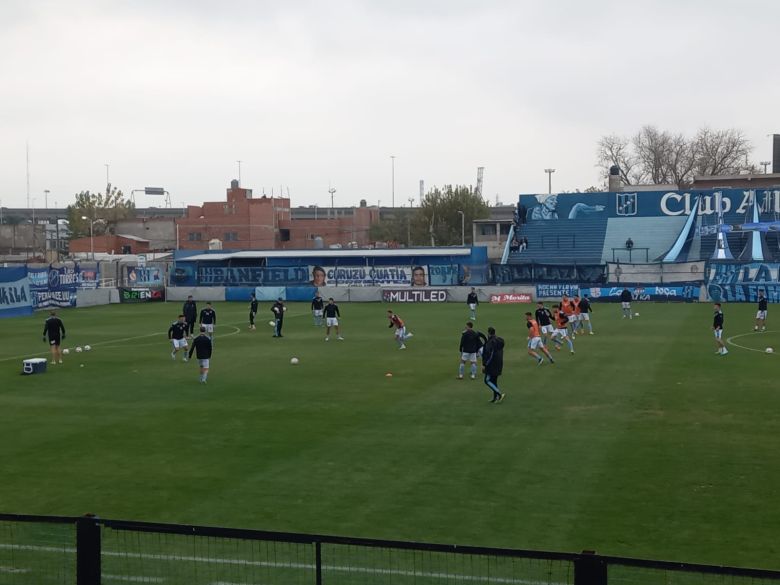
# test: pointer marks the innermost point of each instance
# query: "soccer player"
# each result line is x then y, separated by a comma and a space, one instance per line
568, 309
317, 306
470, 345
585, 311
332, 315
400, 329
208, 319
55, 331
190, 311
625, 303
278, 310
535, 341
177, 333
202, 348
575, 304
472, 301
252, 311
561, 331
544, 318
761, 314
493, 363
717, 327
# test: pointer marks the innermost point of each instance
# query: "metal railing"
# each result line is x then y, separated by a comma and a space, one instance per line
89, 551
630, 252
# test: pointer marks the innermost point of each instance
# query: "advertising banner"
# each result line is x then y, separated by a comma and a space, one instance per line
141, 295
56, 287
408, 295
15, 297
144, 276
743, 293
368, 275
687, 293
551, 273
556, 291
251, 276
444, 275
749, 273
505, 298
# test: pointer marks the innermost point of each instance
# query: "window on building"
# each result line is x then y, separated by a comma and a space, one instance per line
505, 229
284, 235
487, 229
194, 236
231, 236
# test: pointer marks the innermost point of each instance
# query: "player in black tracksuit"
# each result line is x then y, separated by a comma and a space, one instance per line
208, 320
190, 311
625, 301
177, 333
332, 316
717, 328
252, 312
317, 306
278, 310
472, 301
470, 345
761, 314
55, 331
493, 363
202, 347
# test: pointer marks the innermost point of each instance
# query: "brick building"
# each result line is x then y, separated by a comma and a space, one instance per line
110, 244
245, 222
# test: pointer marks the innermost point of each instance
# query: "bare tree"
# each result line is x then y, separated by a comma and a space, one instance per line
658, 156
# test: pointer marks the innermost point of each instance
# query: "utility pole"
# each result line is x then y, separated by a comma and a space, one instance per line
392, 184
765, 164
549, 180
46, 198
108, 180
27, 146
239, 172
331, 190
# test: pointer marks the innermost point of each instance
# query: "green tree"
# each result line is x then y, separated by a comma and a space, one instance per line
109, 207
438, 221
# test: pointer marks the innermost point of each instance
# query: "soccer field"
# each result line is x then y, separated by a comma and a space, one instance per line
645, 443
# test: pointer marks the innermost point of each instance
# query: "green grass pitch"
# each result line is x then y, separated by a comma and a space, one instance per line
645, 443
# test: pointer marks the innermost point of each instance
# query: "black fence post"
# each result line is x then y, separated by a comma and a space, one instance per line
590, 569
87, 551
318, 561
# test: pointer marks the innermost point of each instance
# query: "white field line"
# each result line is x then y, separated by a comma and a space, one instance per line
132, 578
110, 342
308, 566
13, 570
731, 342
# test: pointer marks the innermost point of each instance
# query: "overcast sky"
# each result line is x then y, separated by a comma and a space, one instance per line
171, 93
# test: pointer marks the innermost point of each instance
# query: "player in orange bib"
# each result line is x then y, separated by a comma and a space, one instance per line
401, 335
561, 333
568, 309
535, 341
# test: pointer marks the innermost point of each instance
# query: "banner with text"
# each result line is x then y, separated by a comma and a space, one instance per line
552, 273
406, 295
687, 293
249, 276
56, 287
743, 293
749, 273
368, 275
556, 291
15, 296
141, 295
145, 276
506, 298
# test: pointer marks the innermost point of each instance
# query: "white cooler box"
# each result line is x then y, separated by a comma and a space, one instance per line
34, 366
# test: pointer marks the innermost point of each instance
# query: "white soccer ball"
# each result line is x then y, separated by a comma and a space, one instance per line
66, 351
770, 350
294, 361
78, 349
87, 348
272, 323
284, 309
636, 314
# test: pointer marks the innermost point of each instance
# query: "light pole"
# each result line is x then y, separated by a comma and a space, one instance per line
549, 179
108, 181
765, 164
33, 224
462, 228
392, 183
332, 191
92, 223
239, 172
46, 198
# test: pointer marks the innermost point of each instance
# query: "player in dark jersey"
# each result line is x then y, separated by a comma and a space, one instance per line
493, 363
471, 343
332, 316
278, 310
585, 311
401, 334
545, 320
717, 327
625, 303
252, 311
202, 347
190, 310
473, 301
208, 319
761, 314
317, 306
177, 333
55, 331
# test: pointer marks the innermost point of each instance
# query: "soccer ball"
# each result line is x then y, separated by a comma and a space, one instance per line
284, 309
87, 348
770, 350
294, 361
272, 323
66, 351
636, 314
78, 349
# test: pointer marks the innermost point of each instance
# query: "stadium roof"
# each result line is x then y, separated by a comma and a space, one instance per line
331, 253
